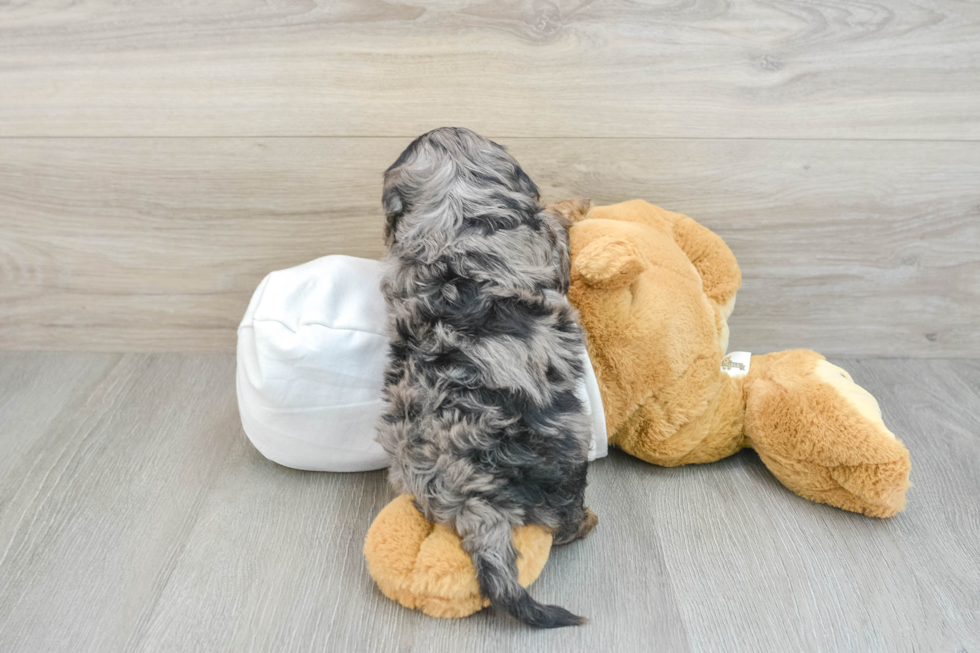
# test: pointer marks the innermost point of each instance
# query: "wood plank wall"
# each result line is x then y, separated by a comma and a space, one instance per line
157, 160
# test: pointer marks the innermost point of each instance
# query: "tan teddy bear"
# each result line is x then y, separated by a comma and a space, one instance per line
654, 290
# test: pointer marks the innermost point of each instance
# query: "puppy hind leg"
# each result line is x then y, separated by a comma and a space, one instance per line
577, 521
576, 529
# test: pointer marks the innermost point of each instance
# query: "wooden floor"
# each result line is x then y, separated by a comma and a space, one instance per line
135, 516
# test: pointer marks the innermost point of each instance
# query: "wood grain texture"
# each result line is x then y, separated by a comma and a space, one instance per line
138, 517
760, 69
105, 485
850, 248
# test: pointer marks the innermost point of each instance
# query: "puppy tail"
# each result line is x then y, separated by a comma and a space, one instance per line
492, 549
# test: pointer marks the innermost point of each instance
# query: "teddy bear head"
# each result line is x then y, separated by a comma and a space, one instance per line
656, 321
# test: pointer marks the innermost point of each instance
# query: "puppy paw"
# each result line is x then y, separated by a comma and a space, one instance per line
579, 531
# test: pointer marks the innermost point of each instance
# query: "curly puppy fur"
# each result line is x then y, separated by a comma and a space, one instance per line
483, 424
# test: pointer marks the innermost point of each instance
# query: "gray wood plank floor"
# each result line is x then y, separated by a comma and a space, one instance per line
134, 515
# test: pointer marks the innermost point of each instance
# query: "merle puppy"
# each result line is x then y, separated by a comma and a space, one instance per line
483, 425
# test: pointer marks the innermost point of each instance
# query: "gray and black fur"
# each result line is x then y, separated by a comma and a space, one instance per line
483, 425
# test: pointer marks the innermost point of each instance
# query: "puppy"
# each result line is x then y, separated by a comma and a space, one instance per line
482, 424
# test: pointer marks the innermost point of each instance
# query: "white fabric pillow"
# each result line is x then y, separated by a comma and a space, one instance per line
311, 358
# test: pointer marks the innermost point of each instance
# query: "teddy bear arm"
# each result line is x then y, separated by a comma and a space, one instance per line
712, 259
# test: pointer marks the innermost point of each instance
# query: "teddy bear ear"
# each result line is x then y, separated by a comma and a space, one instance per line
573, 210
608, 263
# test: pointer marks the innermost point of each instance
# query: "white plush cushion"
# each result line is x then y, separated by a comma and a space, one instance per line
311, 358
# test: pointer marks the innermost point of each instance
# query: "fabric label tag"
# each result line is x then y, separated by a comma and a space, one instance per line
736, 364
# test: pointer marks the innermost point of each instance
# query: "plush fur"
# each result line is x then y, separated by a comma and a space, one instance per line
483, 425
654, 290
424, 566
664, 394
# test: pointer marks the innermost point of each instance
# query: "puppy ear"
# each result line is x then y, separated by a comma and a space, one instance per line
608, 263
525, 184
394, 207
573, 210
557, 231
